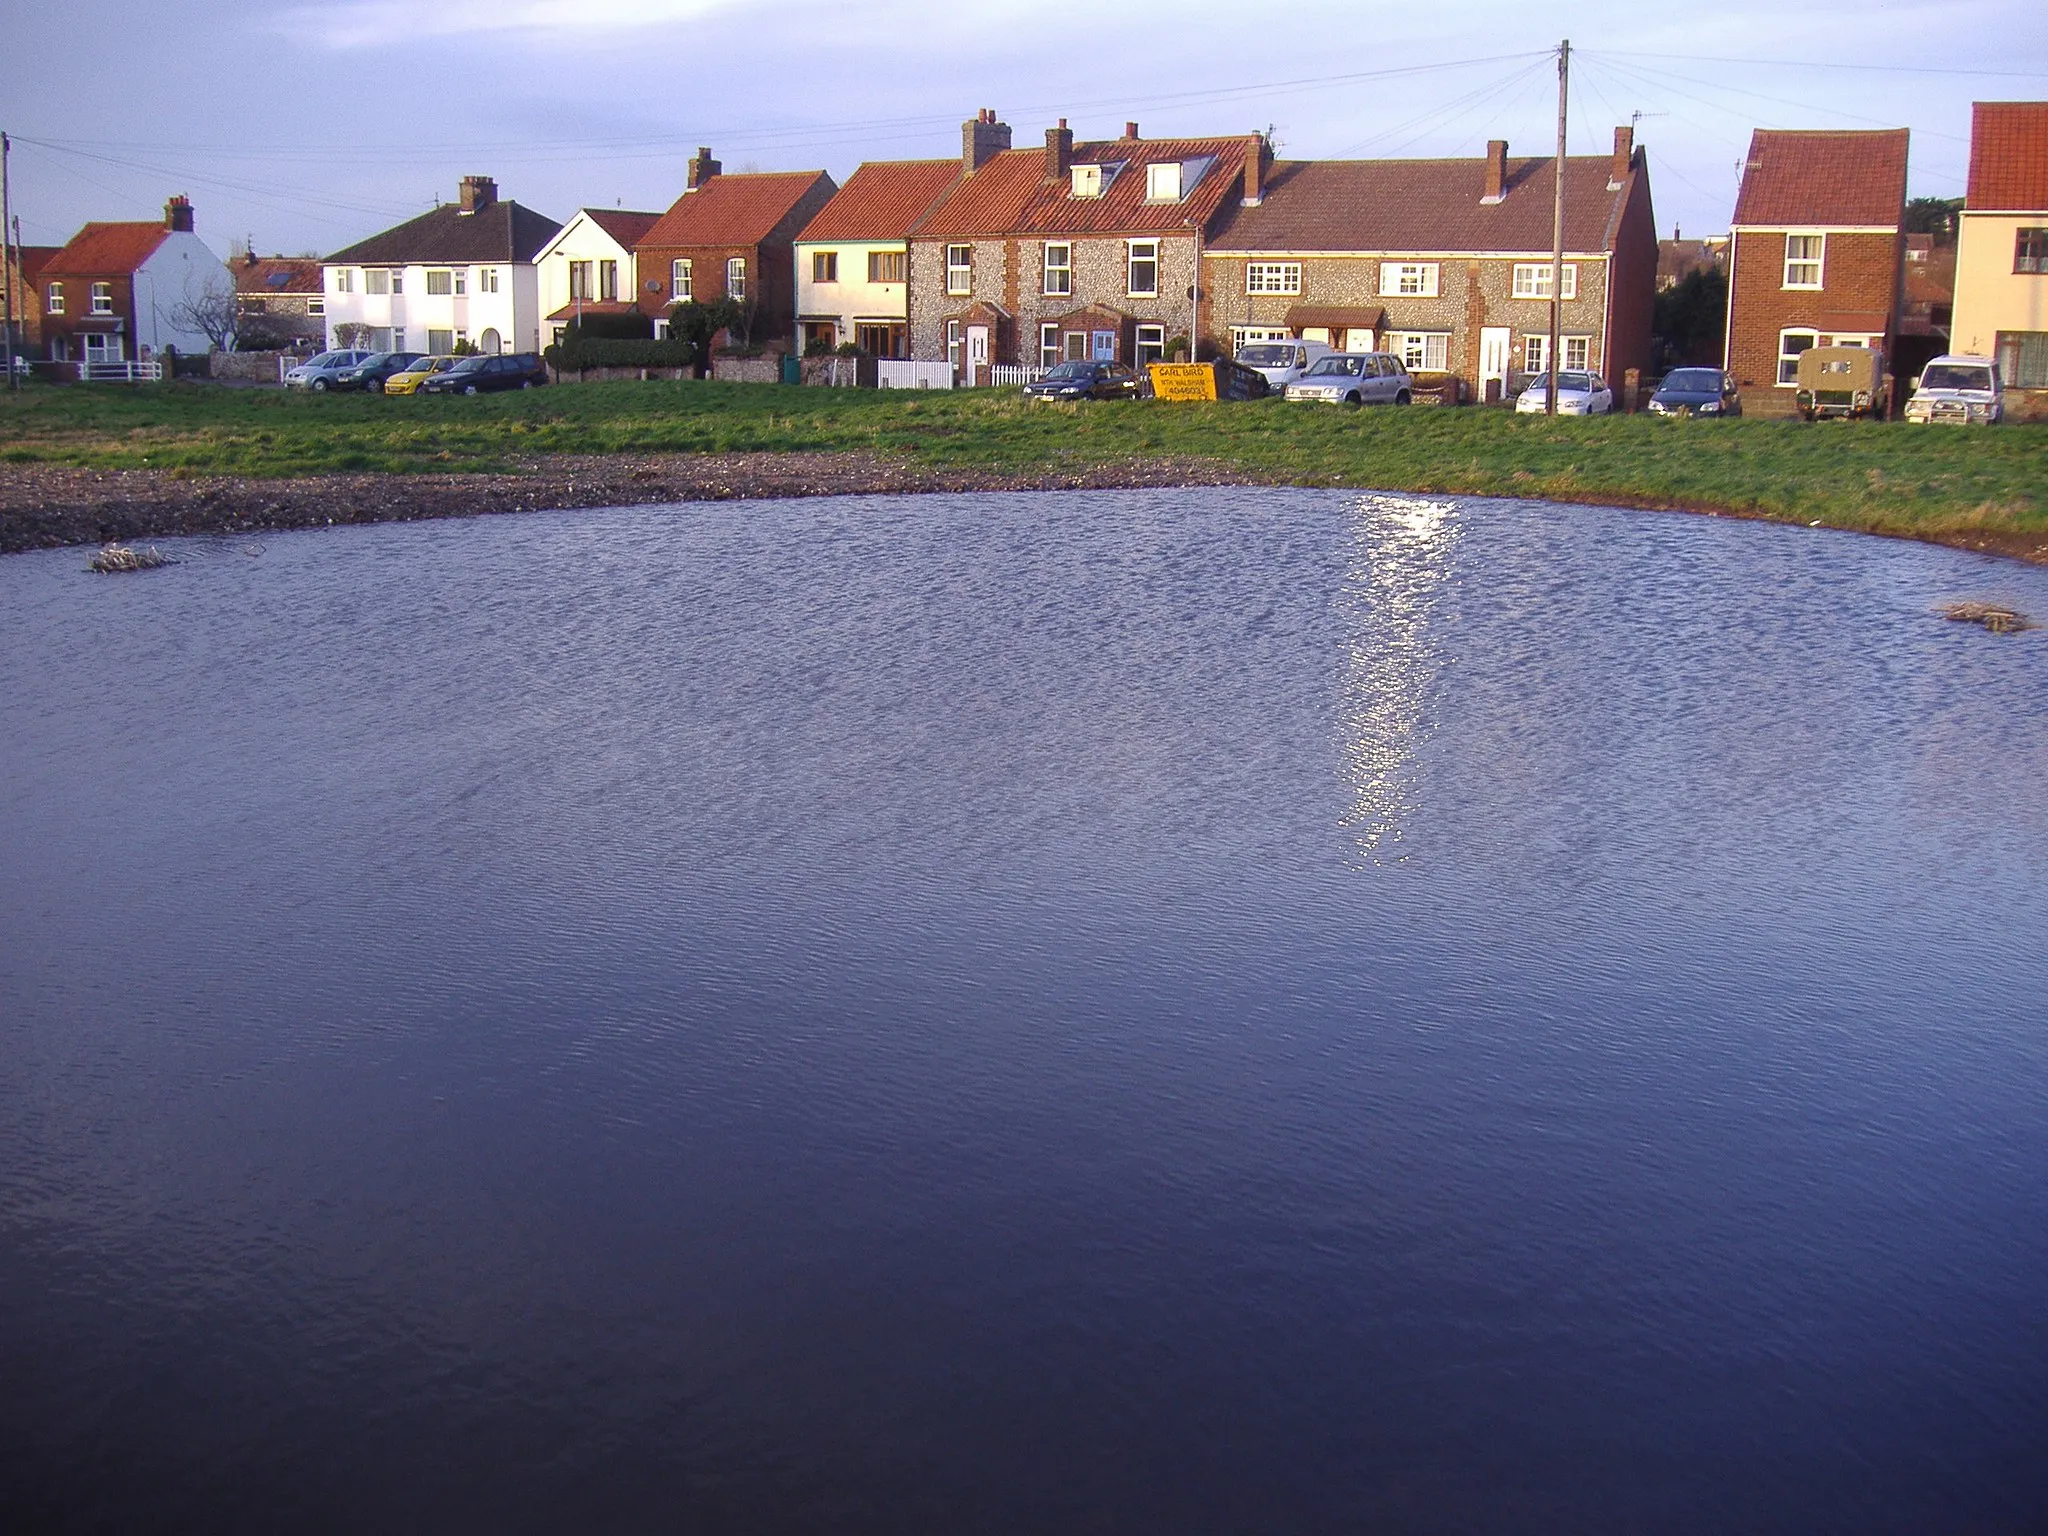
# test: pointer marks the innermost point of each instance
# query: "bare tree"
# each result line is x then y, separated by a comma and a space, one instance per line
215, 313
351, 336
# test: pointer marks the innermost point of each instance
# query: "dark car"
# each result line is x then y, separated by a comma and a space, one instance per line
373, 370
1086, 381
481, 375
1696, 392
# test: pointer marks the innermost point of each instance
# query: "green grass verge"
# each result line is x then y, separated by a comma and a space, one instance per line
1894, 478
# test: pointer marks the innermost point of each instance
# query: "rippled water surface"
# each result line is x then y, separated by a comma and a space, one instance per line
1214, 1011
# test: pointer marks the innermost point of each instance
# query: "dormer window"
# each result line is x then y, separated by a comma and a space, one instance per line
1163, 182
1087, 180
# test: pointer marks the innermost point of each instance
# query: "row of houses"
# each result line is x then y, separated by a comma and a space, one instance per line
1131, 249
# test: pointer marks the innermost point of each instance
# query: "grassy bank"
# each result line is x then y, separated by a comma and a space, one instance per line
1954, 486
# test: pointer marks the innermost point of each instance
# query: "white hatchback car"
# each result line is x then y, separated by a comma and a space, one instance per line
1581, 394
1355, 378
1282, 362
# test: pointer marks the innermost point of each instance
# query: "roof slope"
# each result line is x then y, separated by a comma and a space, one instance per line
502, 231
625, 225
1012, 195
32, 259
100, 250
882, 200
1426, 205
277, 274
2009, 157
1854, 179
741, 209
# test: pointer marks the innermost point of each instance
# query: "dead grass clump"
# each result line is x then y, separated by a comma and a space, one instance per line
2000, 621
121, 557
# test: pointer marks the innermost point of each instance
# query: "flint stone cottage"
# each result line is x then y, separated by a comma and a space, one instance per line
282, 301
1817, 255
2001, 292
731, 237
1087, 250
1445, 263
462, 273
117, 292
853, 258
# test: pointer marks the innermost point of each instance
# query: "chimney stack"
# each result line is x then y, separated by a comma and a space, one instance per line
702, 167
1624, 157
178, 215
1130, 130
1059, 151
982, 140
1496, 171
1255, 152
478, 193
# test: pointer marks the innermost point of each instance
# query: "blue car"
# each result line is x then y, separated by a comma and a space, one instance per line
1696, 392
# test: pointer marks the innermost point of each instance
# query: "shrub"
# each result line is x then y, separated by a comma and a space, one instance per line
850, 349
817, 346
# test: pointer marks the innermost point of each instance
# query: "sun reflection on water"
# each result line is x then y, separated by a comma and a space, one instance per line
1401, 553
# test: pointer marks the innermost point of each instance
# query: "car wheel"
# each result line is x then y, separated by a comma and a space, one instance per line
373, 386
469, 389
1404, 398
526, 383
1352, 402
319, 386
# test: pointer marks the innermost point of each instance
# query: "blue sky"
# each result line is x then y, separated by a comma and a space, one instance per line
309, 126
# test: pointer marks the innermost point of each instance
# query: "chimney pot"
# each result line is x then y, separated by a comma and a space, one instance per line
1059, 152
1624, 157
1496, 171
178, 214
982, 140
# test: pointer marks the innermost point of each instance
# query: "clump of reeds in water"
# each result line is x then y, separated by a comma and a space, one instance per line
2000, 621
121, 557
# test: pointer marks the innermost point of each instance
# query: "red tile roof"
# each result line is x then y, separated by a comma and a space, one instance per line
741, 209
882, 200
276, 274
573, 309
2009, 157
32, 259
624, 225
107, 250
1836, 179
1011, 194
1426, 205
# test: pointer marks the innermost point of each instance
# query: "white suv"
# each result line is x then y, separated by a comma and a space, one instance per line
1961, 390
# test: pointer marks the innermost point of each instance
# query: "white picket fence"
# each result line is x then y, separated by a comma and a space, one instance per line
1010, 375
120, 373
891, 373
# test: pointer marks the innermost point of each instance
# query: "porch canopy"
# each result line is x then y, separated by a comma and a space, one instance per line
1333, 318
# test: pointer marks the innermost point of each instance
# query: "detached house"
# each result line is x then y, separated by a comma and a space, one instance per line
124, 292
731, 237
853, 258
1817, 255
2001, 293
282, 299
589, 268
463, 273
1083, 250
1446, 263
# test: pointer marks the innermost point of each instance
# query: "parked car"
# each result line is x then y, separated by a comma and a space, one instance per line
1696, 392
369, 375
1845, 382
1355, 379
323, 372
1282, 362
1578, 394
408, 380
1957, 389
481, 375
1086, 381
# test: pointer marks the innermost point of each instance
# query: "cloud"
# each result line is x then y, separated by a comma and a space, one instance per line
377, 23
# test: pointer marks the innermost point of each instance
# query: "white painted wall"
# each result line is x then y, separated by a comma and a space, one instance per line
179, 271
512, 311
581, 239
853, 297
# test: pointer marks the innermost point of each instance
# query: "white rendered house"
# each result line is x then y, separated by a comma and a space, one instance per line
463, 273
853, 258
588, 268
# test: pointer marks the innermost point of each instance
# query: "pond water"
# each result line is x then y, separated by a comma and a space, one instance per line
1198, 1011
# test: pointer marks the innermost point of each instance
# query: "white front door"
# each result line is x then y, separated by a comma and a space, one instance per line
1495, 341
977, 353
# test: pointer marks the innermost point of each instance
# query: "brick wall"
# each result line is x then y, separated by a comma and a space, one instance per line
1859, 273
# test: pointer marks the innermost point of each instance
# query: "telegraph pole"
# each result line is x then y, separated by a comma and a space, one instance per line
1564, 75
9, 271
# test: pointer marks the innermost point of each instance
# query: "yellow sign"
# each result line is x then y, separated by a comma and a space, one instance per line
1183, 381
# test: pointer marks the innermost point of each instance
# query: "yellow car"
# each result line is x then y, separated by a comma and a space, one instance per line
409, 382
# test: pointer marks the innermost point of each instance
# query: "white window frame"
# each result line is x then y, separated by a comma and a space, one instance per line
1788, 376
956, 342
437, 349
1409, 279
1800, 263
440, 282
397, 340
1086, 181
1131, 260
1242, 336
487, 280
53, 299
681, 284
377, 282
736, 279
959, 269
101, 298
345, 280
1151, 344
1578, 354
1532, 280
1536, 352
1165, 181
1048, 345
1421, 351
102, 346
1277, 277
398, 288
1058, 275
461, 282
316, 305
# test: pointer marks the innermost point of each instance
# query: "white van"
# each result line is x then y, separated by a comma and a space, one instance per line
1282, 362
1957, 389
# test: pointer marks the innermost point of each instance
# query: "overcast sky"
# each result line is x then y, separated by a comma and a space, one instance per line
310, 126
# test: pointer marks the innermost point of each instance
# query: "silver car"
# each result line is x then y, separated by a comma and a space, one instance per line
1354, 379
324, 372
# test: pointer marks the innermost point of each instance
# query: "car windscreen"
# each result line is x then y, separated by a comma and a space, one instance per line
1336, 367
1266, 356
1065, 373
1953, 376
327, 360
469, 365
1693, 381
1576, 383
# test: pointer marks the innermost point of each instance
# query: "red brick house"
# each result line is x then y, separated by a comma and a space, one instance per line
123, 292
1077, 250
1817, 255
1446, 263
22, 287
731, 237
